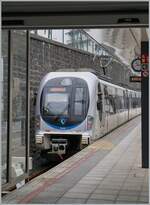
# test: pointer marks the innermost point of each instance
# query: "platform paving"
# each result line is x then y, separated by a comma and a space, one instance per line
107, 172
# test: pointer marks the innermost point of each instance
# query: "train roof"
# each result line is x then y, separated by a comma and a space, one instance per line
111, 84
73, 73
117, 86
84, 75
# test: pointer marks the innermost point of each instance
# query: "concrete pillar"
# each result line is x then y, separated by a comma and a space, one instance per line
1, 93
1, 85
145, 99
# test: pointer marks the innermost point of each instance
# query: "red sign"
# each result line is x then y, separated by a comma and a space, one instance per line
144, 59
144, 62
145, 73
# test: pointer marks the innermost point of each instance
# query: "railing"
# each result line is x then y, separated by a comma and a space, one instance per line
79, 39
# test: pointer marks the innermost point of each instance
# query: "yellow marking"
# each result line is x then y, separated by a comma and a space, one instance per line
102, 144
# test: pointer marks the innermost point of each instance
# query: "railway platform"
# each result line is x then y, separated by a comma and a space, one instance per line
107, 171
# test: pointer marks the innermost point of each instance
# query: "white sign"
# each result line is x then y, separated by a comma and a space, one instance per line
136, 64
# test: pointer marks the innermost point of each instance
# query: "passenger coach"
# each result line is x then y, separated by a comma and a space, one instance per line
75, 108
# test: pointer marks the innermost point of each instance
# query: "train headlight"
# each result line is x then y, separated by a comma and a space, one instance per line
39, 139
90, 121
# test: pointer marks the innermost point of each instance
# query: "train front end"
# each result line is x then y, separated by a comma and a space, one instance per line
62, 121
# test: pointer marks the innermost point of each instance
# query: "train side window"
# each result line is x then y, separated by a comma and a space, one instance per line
100, 102
118, 102
125, 97
122, 101
106, 99
135, 100
111, 98
130, 98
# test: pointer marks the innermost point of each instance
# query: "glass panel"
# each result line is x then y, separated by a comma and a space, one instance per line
4, 105
78, 108
75, 38
67, 37
78, 101
56, 104
79, 94
58, 35
18, 149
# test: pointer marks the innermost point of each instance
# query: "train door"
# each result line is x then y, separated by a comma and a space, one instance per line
80, 102
101, 109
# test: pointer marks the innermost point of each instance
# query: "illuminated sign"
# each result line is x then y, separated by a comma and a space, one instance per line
145, 64
135, 79
144, 59
57, 90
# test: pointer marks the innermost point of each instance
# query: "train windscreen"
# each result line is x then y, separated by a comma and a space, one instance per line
65, 102
56, 104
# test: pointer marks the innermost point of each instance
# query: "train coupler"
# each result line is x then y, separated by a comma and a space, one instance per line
59, 146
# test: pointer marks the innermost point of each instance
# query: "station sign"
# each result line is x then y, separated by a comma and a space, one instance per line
145, 59
136, 64
145, 64
135, 79
145, 72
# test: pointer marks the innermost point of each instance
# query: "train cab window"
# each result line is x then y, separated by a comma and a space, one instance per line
56, 104
79, 101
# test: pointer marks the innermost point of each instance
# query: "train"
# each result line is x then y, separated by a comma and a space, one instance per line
73, 109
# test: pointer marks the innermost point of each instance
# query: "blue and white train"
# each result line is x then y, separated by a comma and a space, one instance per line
76, 108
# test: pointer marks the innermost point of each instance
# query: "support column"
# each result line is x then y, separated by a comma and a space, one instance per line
1, 94
145, 104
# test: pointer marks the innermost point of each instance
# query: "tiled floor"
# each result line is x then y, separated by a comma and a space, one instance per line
108, 171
